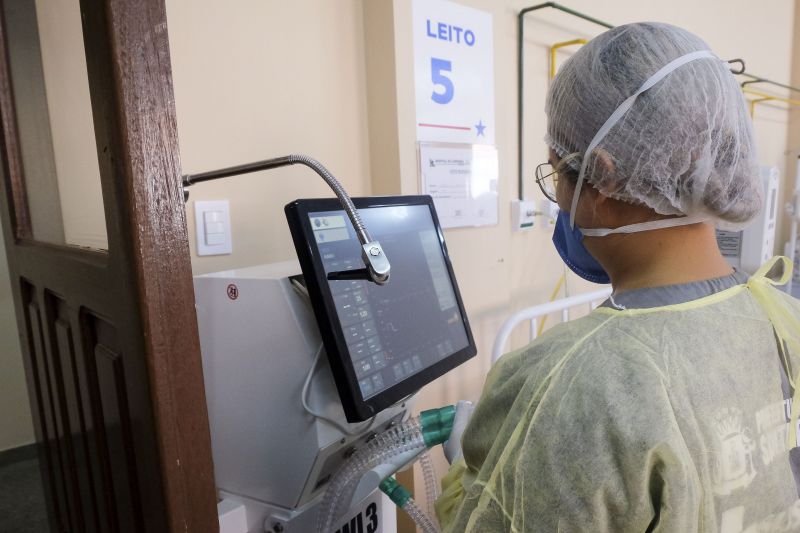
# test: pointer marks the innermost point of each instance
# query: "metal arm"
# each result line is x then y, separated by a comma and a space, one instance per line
371, 252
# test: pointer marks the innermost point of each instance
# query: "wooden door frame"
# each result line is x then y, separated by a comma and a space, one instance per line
132, 99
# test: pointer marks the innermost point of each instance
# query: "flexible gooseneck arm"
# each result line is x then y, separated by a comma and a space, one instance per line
371, 252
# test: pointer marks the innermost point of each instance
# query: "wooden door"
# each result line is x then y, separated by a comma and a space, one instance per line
109, 337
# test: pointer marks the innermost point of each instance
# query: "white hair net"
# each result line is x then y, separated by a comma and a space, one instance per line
686, 145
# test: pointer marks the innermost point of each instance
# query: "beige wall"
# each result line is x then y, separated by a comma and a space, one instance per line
58, 146
335, 80
261, 79
33, 121
70, 111
16, 426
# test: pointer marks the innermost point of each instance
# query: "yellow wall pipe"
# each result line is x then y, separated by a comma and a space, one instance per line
556, 290
769, 96
753, 105
554, 49
766, 97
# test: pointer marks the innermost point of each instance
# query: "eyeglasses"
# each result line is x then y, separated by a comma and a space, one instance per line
547, 175
547, 180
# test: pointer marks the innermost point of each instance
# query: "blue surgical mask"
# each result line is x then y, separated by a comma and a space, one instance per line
569, 244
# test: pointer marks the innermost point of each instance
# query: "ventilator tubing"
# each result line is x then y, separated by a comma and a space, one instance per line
431, 482
424, 522
402, 498
417, 434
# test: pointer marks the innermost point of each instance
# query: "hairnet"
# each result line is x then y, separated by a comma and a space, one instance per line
686, 145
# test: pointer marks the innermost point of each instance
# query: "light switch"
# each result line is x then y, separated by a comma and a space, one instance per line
213, 227
216, 228
215, 239
211, 215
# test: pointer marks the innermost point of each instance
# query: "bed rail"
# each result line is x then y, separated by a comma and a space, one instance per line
537, 312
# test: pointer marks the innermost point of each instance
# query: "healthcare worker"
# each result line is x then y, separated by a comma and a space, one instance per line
668, 408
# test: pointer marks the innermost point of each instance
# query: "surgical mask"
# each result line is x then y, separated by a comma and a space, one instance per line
569, 244
612, 120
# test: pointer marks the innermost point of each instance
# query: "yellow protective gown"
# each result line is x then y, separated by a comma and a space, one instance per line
665, 419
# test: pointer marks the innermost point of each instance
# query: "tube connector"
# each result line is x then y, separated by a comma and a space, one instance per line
437, 424
395, 491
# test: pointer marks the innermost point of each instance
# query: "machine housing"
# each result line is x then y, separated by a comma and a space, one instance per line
258, 338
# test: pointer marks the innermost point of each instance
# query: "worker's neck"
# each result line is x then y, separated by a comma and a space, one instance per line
662, 257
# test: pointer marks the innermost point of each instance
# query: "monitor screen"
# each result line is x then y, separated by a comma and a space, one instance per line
386, 340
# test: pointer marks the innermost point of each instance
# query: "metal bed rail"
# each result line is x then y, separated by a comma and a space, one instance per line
532, 315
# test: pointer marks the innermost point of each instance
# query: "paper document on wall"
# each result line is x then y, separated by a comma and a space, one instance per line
462, 180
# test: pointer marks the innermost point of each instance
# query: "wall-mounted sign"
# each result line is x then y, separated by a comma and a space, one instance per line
462, 180
453, 72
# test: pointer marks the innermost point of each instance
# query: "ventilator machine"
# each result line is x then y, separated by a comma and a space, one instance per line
311, 366
748, 249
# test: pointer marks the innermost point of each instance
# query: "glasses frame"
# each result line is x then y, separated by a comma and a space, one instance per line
563, 164
541, 178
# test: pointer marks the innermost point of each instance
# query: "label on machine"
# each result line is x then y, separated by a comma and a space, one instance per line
730, 243
370, 516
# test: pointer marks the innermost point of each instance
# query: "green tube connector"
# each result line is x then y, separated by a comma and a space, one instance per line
395, 491
437, 424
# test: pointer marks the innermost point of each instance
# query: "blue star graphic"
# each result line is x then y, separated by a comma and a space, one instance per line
480, 127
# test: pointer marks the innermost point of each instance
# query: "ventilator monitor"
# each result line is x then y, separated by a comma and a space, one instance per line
383, 342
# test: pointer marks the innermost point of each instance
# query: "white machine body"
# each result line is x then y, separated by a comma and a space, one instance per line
272, 459
750, 248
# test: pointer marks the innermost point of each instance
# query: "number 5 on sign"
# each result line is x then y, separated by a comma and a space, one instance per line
438, 67
453, 73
